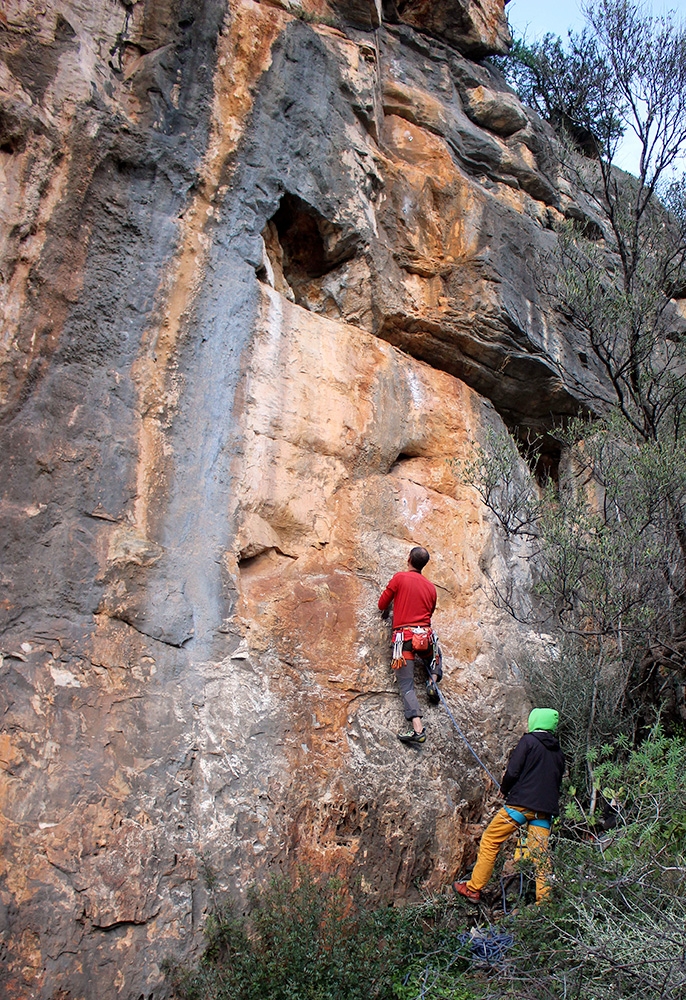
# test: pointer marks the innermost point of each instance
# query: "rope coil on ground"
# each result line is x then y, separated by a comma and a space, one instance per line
488, 947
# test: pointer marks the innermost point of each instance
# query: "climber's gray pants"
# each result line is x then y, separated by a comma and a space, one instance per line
405, 678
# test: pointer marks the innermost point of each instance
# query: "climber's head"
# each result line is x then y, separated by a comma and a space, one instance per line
543, 718
418, 558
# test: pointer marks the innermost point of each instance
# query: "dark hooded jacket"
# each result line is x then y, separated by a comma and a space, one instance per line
534, 773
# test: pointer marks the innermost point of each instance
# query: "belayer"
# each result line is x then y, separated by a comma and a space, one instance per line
531, 787
414, 602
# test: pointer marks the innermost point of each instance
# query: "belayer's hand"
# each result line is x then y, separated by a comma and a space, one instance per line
385, 613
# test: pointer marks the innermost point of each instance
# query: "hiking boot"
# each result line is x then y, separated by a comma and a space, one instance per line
472, 895
413, 737
432, 692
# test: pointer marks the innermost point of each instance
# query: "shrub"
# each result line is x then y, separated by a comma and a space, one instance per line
307, 939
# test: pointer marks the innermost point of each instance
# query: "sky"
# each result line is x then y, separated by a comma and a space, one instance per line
534, 18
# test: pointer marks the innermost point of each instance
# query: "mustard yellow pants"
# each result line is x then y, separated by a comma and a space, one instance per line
494, 836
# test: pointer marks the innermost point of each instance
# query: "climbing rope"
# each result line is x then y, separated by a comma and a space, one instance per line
486, 947
489, 947
504, 887
460, 733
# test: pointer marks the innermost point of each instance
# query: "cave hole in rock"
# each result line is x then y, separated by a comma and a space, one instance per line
12, 137
245, 562
263, 559
541, 452
303, 246
405, 456
546, 469
401, 459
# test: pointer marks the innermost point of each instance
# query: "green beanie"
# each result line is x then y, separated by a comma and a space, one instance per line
543, 718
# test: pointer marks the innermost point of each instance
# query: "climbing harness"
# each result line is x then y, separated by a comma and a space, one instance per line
522, 852
520, 819
515, 815
402, 635
459, 731
421, 637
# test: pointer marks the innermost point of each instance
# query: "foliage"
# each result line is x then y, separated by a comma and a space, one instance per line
618, 271
607, 545
589, 695
626, 71
617, 932
619, 292
495, 471
308, 940
568, 87
615, 563
645, 787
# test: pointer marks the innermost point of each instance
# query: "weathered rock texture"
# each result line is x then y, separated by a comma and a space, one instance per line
265, 269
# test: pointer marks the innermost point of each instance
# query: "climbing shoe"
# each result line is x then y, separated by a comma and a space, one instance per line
413, 737
432, 692
473, 895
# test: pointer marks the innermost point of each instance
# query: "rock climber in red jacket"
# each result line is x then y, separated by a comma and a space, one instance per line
414, 601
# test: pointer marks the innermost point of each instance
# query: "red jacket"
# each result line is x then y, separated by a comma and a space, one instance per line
413, 596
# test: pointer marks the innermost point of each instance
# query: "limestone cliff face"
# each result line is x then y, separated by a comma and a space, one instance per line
266, 268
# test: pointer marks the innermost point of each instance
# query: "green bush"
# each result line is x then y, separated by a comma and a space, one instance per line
647, 789
307, 939
616, 930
